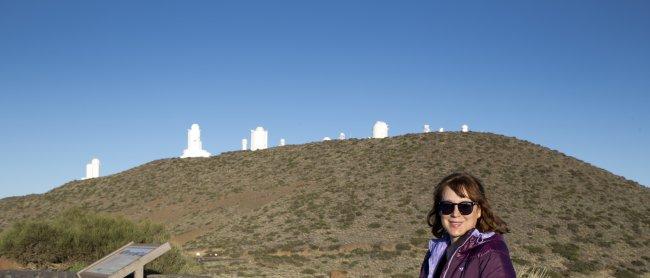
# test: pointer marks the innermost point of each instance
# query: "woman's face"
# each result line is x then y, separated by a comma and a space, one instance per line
455, 223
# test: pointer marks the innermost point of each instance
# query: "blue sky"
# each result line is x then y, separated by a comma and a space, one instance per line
124, 80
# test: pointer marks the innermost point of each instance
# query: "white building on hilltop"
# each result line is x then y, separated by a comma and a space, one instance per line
341, 136
282, 142
244, 144
427, 129
465, 128
259, 139
380, 130
92, 169
441, 130
194, 145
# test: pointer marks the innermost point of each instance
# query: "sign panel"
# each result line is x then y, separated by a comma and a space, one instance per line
122, 259
128, 259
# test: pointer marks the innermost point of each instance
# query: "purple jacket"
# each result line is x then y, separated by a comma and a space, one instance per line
480, 255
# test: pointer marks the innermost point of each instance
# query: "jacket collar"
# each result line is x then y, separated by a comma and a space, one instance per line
476, 238
438, 246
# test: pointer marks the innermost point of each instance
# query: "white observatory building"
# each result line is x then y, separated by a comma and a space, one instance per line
92, 169
244, 144
380, 130
194, 145
259, 139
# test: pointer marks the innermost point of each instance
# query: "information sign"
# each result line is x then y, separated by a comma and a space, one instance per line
131, 258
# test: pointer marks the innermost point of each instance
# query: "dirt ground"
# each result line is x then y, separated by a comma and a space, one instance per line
6, 264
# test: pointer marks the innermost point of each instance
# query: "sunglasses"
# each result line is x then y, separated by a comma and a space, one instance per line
465, 208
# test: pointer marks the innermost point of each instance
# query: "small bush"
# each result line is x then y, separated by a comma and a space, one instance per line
534, 249
419, 242
402, 247
383, 255
519, 261
569, 250
583, 266
359, 251
624, 273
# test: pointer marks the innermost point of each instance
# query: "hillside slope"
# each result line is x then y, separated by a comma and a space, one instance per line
360, 205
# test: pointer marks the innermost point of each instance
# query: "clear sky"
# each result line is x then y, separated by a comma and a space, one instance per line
123, 80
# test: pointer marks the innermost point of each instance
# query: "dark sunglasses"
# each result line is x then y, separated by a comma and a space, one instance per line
465, 208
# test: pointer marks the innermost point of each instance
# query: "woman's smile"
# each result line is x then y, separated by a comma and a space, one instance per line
455, 225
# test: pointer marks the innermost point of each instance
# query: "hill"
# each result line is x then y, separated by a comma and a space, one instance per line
359, 206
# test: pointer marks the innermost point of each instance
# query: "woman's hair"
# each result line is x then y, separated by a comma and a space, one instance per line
462, 183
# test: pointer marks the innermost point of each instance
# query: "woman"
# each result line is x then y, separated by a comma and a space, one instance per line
468, 239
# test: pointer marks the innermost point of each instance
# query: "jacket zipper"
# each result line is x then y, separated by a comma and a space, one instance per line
454, 255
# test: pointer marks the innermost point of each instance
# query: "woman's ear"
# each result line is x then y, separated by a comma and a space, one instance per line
479, 212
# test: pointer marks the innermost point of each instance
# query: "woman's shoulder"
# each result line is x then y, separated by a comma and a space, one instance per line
438, 242
494, 258
492, 245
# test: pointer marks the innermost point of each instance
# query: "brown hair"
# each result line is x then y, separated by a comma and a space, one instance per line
462, 183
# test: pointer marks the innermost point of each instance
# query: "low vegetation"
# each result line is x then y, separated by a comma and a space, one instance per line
75, 238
